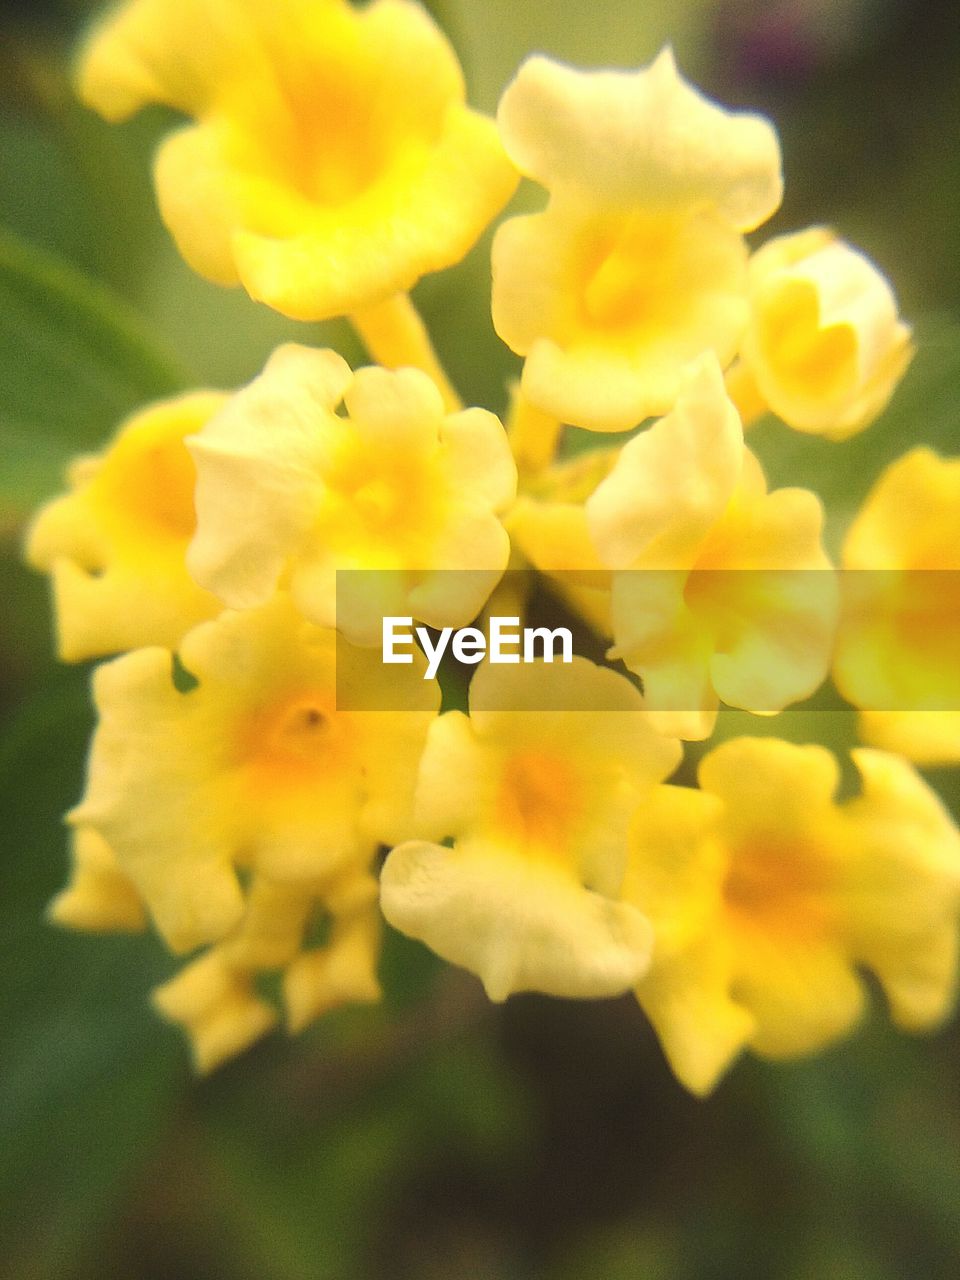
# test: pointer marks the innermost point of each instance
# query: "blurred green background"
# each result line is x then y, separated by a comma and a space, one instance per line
437, 1136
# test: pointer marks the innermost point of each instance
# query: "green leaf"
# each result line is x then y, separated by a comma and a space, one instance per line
74, 361
305, 1187
88, 1071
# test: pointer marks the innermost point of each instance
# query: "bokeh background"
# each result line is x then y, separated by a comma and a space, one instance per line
437, 1136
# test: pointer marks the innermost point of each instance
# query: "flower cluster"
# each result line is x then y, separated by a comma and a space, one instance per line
255, 755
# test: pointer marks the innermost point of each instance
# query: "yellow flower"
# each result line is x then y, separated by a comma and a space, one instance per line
638, 264
288, 490
900, 635
548, 528
99, 896
115, 546
825, 345
768, 897
718, 586
333, 162
536, 788
554, 538
253, 769
218, 1008
214, 997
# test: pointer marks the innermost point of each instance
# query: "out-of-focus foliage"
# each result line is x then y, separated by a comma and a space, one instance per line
435, 1137
81, 360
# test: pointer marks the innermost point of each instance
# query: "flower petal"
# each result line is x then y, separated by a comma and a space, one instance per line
640, 137
519, 925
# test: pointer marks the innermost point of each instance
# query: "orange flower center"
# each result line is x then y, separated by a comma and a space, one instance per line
539, 799
778, 888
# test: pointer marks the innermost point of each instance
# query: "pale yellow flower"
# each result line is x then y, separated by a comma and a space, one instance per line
900, 636
536, 788
252, 770
333, 161
638, 264
290, 491
99, 897
825, 345
115, 546
218, 1008
214, 997
720, 589
768, 897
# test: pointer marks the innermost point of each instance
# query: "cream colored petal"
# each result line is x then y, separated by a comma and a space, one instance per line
517, 924
689, 726
783, 653
671, 482
457, 780
652, 621
642, 137
321, 836
682, 702
553, 536
585, 387
395, 411
346, 592
592, 714
396, 712
595, 387
536, 264
259, 473
779, 532
825, 344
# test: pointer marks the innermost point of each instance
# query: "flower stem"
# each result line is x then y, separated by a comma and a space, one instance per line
395, 336
745, 394
534, 435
